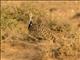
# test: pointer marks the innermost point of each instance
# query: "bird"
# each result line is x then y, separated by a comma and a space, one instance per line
30, 21
30, 24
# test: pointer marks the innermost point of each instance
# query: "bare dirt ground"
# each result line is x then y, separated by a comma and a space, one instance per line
53, 35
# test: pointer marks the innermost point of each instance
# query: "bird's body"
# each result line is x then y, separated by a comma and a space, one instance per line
30, 24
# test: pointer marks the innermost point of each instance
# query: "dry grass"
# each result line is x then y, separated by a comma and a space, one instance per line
53, 35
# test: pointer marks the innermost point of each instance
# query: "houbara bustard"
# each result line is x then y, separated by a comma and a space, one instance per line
30, 20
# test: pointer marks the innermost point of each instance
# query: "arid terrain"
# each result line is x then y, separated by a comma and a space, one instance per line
40, 30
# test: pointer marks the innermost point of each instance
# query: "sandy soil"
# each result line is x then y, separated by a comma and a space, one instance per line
54, 45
